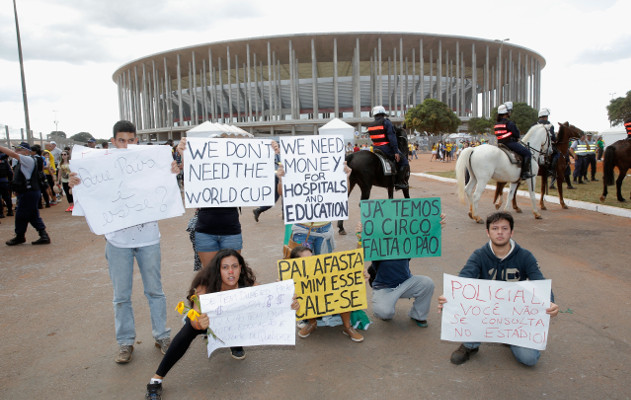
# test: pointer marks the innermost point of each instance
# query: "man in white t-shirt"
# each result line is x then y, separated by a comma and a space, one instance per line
142, 242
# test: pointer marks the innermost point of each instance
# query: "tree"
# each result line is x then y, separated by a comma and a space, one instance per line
480, 125
523, 116
432, 116
81, 137
58, 134
619, 109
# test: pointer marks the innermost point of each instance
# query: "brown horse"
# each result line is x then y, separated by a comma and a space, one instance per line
616, 155
566, 132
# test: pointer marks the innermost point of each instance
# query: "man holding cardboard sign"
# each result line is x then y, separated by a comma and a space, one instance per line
503, 260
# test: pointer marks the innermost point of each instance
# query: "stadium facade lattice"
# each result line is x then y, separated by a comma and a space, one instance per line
295, 83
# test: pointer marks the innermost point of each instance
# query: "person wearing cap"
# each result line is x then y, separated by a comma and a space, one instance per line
507, 134
55, 151
384, 139
26, 185
590, 158
579, 151
544, 113
91, 143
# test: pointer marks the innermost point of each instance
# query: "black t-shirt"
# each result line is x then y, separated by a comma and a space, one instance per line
218, 221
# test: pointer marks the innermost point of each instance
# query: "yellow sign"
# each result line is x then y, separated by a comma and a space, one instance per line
327, 284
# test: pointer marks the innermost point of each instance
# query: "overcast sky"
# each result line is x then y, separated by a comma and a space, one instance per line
72, 47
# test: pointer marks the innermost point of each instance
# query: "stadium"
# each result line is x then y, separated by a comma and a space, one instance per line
292, 84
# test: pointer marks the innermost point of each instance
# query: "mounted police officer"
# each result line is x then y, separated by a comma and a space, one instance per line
384, 139
544, 113
627, 127
507, 133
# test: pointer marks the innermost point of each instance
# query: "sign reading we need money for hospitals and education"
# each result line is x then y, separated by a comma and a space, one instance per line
401, 228
479, 310
252, 316
125, 187
314, 186
227, 172
327, 284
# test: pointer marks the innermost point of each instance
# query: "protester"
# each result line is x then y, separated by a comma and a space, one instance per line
62, 178
311, 324
500, 259
46, 191
55, 151
226, 271
121, 247
217, 228
26, 183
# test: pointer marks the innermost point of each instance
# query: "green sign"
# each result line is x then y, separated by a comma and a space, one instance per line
401, 228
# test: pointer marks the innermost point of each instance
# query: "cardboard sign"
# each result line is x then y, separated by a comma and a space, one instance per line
327, 284
401, 228
314, 187
125, 187
480, 310
258, 315
227, 172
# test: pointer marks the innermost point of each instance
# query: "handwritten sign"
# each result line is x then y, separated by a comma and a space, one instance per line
314, 187
125, 187
401, 228
220, 172
480, 310
257, 315
327, 284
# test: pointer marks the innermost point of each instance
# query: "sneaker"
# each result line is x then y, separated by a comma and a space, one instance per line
124, 354
154, 391
163, 344
421, 323
307, 329
256, 213
237, 353
69, 209
16, 240
353, 334
462, 354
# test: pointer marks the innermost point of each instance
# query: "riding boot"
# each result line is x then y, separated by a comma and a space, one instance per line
525, 168
553, 167
43, 238
402, 177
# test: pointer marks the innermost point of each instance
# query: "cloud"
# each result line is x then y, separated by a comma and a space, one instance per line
619, 49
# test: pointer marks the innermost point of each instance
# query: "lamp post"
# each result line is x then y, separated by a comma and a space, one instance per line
24, 98
499, 71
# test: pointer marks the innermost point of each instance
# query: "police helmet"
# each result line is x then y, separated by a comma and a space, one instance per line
544, 112
502, 109
378, 110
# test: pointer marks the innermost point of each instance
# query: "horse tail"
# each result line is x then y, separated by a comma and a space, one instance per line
461, 169
608, 164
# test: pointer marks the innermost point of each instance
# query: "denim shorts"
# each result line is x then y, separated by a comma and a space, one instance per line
205, 242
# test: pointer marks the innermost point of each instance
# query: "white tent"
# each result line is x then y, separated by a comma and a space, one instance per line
210, 130
338, 127
613, 134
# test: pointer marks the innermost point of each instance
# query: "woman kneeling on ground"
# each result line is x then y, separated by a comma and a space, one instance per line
226, 271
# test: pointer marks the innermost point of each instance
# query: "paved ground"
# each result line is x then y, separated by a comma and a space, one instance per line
58, 341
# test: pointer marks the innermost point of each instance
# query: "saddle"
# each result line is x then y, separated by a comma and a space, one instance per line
513, 157
387, 164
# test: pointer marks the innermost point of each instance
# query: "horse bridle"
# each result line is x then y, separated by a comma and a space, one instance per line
547, 142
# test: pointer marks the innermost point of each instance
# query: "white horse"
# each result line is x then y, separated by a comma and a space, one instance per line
488, 162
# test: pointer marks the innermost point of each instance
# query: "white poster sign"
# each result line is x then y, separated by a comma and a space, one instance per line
314, 187
125, 187
258, 315
480, 310
227, 172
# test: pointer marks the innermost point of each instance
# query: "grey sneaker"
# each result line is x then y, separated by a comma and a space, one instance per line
124, 354
163, 344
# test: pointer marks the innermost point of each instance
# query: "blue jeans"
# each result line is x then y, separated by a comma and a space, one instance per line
121, 267
524, 355
320, 240
418, 287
